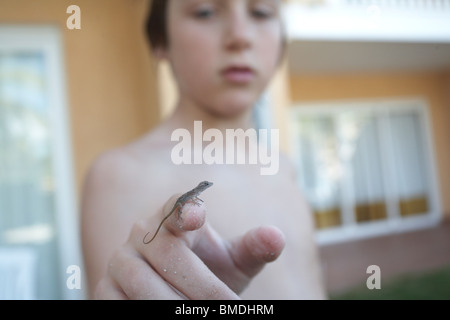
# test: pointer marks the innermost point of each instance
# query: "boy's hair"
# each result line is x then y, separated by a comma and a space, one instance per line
156, 25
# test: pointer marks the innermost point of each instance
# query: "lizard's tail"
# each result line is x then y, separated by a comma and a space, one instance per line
147, 242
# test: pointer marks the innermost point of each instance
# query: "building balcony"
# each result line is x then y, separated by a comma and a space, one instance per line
368, 35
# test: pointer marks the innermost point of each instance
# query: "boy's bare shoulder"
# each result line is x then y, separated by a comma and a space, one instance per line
125, 166
110, 165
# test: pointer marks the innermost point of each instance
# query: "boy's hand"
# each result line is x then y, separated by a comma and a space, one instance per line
188, 259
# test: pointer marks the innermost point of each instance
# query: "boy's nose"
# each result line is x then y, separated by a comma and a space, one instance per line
238, 34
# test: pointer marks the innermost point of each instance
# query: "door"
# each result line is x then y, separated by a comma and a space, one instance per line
38, 225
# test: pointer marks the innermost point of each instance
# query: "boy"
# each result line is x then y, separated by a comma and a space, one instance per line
223, 54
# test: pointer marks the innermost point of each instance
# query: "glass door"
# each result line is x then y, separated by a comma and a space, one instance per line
38, 229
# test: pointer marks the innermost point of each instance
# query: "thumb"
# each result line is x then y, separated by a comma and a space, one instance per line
251, 252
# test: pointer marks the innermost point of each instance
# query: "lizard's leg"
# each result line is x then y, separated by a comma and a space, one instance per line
180, 209
197, 201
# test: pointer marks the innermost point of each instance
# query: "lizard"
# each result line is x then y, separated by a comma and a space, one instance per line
179, 204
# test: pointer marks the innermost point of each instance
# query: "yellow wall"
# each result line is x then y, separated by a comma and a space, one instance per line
111, 79
433, 86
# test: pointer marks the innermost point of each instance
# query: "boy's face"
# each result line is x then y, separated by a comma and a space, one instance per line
223, 52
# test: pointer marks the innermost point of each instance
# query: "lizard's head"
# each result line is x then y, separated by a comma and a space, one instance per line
204, 185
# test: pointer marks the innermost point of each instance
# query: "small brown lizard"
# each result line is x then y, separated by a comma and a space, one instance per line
190, 196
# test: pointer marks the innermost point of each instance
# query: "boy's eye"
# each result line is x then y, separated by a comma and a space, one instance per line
262, 13
204, 13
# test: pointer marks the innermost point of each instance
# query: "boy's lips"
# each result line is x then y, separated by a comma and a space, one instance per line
238, 74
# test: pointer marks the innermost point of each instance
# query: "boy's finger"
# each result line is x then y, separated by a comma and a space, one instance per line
135, 279
177, 220
257, 247
191, 216
175, 262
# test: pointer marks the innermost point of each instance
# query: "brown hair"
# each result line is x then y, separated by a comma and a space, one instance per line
156, 25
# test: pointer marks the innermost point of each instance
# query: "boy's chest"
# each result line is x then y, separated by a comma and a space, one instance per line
235, 211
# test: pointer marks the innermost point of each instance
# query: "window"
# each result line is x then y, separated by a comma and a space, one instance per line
366, 168
38, 238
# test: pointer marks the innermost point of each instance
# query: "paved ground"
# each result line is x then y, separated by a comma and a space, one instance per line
345, 264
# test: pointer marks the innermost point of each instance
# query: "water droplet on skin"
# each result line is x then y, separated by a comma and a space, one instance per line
165, 270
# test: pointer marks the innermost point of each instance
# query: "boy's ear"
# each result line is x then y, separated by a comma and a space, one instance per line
160, 53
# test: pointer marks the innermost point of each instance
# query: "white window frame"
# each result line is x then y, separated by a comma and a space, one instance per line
350, 229
48, 41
